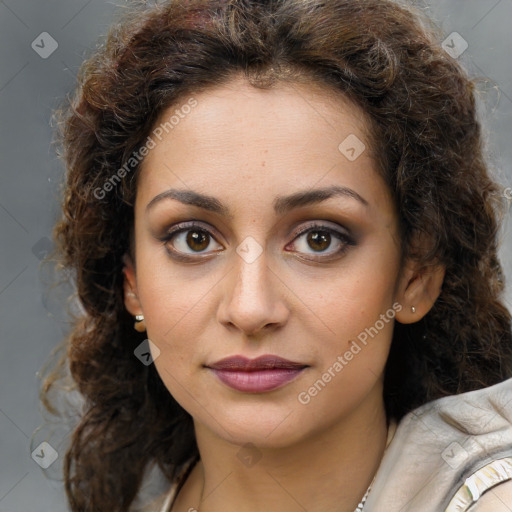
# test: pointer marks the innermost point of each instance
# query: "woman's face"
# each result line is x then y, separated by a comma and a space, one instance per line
238, 253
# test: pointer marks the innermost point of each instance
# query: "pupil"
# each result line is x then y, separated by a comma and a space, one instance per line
319, 240
199, 239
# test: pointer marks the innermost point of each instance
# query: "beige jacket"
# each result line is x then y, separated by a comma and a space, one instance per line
443, 456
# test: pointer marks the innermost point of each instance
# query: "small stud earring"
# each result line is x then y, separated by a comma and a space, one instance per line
139, 325
413, 309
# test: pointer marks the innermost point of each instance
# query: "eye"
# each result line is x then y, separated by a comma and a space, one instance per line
186, 240
319, 238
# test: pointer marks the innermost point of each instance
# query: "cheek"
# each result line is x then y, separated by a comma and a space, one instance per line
175, 312
357, 306
176, 317
352, 355
359, 293
171, 295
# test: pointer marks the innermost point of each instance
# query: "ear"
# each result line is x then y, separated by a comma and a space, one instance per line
418, 288
131, 299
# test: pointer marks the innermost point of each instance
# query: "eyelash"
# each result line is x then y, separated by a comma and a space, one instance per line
183, 227
343, 238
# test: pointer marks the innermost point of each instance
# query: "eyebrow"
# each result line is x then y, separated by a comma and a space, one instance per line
281, 204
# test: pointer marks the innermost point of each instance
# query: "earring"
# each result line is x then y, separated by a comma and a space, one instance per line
139, 325
413, 309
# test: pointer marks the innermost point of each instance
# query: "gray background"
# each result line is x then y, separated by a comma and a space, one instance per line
32, 320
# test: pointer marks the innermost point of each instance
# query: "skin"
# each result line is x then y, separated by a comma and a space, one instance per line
306, 303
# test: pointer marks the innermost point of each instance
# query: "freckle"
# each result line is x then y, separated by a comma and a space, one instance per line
263, 164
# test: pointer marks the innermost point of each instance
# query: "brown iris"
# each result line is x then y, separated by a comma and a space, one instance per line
198, 240
319, 240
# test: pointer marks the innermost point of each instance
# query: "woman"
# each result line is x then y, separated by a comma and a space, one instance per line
283, 235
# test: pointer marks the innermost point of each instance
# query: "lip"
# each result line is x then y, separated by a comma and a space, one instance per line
265, 373
264, 362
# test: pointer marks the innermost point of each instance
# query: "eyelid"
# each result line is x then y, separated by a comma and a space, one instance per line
321, 224
186, 225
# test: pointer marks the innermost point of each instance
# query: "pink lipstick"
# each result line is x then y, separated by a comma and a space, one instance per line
265, 373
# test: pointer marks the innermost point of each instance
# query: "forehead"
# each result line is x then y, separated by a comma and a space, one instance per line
228, 112
291, 136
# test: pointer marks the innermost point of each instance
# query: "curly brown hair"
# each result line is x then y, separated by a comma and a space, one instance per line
427, 143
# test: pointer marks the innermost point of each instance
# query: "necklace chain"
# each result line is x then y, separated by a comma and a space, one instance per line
359, 507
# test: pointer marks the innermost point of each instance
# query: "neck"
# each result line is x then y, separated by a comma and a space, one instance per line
327, 470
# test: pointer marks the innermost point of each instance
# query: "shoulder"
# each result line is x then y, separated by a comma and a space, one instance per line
440, 445
497, 499
486, 489
157, 505
165, 501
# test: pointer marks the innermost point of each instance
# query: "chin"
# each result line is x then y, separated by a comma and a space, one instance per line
276, 427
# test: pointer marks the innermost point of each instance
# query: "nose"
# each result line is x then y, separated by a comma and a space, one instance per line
253, 299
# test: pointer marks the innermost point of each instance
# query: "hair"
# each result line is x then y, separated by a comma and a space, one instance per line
426, 140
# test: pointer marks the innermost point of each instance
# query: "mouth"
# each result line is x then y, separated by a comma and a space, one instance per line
265, 373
